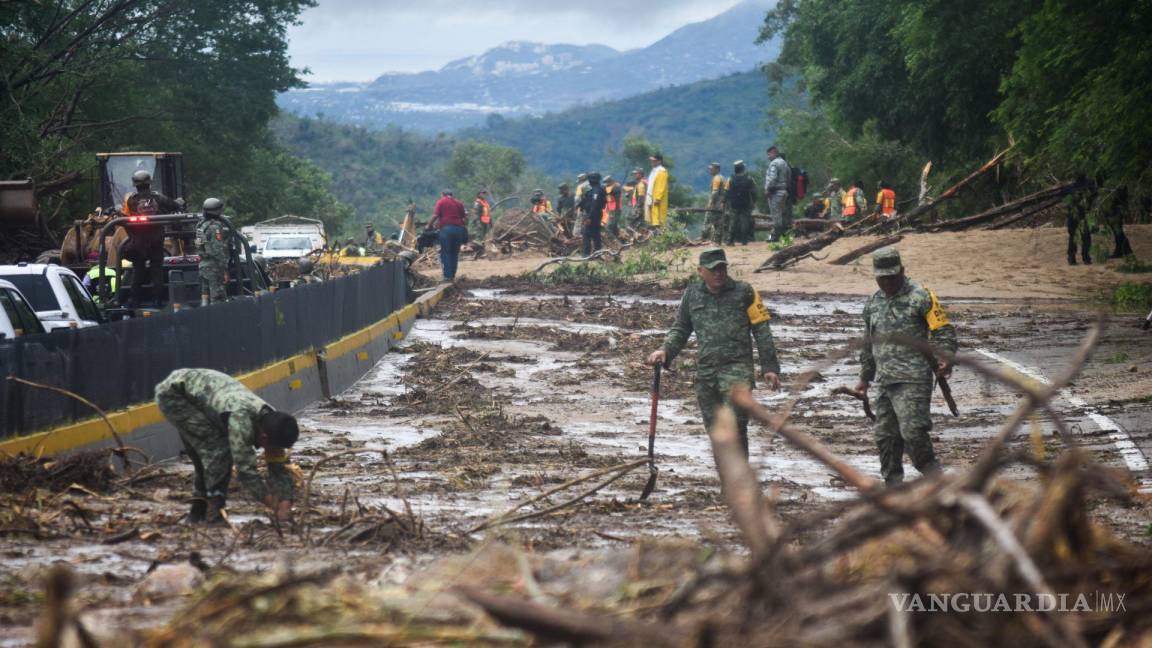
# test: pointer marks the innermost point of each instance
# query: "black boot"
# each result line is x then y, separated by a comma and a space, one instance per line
215, 514
199, 508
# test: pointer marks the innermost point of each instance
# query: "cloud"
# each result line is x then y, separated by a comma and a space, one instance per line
358, 40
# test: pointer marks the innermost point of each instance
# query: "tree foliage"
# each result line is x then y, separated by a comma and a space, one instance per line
81, 76
478, 165
1078, 98
953, 81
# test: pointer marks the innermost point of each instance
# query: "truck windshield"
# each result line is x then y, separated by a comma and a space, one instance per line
36, 290
288, 244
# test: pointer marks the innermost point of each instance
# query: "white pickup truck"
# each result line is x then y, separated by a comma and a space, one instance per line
55, 293
286, 237
16, 316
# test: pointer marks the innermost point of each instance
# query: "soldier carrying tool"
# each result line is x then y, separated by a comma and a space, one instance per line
220, 422
905, 375
725, 315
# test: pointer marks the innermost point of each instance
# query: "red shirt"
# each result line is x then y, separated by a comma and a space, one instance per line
449, 211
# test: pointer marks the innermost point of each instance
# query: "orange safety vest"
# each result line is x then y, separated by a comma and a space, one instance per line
849, 202
887, 200
485, 213
542, 207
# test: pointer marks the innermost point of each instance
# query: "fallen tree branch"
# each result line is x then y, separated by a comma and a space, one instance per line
845, 259
502, 519
1044, 195
739, 486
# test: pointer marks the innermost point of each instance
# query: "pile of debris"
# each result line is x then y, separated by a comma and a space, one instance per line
961, 558
916, 219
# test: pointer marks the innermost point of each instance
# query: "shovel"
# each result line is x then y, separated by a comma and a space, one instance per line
652, 470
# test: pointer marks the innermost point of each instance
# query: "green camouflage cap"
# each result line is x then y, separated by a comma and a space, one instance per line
712, 257
886, 262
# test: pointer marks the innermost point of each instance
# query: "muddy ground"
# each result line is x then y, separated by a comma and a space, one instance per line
508, 391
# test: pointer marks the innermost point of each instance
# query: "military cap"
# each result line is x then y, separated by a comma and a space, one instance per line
608, 178
562, 185
886, 262
834, 181
582, 177
658, 156
714, 165
639, 171
712, 257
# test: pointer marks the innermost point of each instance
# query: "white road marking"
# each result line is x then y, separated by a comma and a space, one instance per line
1131, 454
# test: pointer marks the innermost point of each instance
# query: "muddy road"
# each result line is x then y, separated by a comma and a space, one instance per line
507, 392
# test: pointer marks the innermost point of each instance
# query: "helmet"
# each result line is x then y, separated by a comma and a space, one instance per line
562, 186
305, 265
141, 177
213, 207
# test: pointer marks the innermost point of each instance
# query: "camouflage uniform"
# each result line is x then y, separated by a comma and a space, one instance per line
212, 244
724, 324
836, 205
776, 184
715, 225
905, 376
215, 415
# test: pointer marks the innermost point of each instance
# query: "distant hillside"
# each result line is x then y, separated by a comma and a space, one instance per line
520, 79
375, 172
720, 120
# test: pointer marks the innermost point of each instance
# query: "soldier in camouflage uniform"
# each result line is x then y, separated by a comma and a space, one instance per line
212, 244
905, 376
714, 226
220, 422
725, 315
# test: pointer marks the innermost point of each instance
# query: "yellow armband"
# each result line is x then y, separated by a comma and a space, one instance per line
757, 312
281, 459
937, 318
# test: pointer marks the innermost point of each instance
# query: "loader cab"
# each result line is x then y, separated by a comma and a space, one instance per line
116, 169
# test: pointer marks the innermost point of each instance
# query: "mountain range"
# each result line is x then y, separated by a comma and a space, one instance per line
519, 79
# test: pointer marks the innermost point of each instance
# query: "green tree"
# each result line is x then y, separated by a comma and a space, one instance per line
82, 76
1078, 98
477, 165
923, 72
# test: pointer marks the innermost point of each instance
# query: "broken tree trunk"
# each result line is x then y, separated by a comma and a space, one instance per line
1031, 211
796, 251
861, 251
923, 210
1046, 195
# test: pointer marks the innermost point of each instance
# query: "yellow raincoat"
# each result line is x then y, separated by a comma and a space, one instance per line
657, 202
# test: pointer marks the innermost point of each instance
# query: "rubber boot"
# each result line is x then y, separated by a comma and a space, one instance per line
215, 514
199, 509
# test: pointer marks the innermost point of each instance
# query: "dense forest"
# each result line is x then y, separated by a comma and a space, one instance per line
118, 75
885, 86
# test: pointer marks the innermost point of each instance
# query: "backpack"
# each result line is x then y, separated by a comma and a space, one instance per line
799, 187
740, 191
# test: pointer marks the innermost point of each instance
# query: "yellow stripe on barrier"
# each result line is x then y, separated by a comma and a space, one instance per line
126, 421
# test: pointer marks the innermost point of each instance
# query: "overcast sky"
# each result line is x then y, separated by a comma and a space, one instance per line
357, 40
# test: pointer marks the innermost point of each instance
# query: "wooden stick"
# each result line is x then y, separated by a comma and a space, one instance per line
741, 397
100, 412
739, 486
620, 470
845, 259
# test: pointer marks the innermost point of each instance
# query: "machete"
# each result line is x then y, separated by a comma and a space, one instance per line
863, 398
652, 470
946, 389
